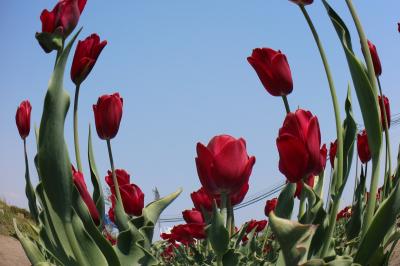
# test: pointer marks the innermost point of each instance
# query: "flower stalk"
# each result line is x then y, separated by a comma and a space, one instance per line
76, 134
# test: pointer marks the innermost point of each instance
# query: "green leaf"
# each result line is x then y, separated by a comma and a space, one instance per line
285, 204
217, 234
31, 250
382, 222
54, 163
366, 95
98, 196
231, 258
293, 237
50, 41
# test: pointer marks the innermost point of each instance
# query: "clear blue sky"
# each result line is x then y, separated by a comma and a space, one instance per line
181, 68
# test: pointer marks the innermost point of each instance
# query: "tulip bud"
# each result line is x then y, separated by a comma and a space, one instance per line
302, 2
375, 59
332, 152
193, 216
86, 54
131, 195
202, 200
299, 143
80, 184
362, 147
107, 115
387, 110
223, 166
270, 205
273, 70
23, 118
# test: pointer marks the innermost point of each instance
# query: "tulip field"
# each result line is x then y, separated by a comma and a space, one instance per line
303, 225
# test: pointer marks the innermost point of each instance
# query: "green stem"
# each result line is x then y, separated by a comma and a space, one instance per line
69, 230
339, 175
219, 261
229, 219
375, 156
114, 176
265, 238
286, 103
224, 197
76, 136
388, 157
29, 191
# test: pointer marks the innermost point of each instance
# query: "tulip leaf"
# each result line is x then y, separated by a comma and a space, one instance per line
50, 41
366, 95
382, 222
285, 203
240, 235
98, 196
54, 163
31, 250
231, 258
293, 237
217, 234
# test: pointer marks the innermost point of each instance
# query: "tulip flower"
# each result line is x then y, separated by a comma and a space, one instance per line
80, 184
259, 225
86, 54
223, 166
107, 115
63, 18
193, 216
375, 59
202, 200
332, 152
302, 2
131, 195
345, 213
185, 233
270, 205
298, 145
398, 27
273, 70
23, 118
299, 185
387, 110
238, 197
362, 147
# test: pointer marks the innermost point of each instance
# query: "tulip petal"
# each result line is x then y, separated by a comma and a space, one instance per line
313, 146
217, 143
281, 74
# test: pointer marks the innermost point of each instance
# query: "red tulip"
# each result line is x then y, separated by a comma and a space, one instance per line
110, 237
107, 115
238, 197
375, 59
345, 213
223, 166
80, 184
193, 216
86, 54
302, 2
398, 27
132, 196
273, 70
168, 253
299, 144
362, 147
323, 153
185, 233
63, 18
387, 109
332, 152
202, 200
23, 118
270, 205
299, 185
259, 225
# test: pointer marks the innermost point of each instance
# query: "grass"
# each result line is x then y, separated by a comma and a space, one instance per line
22, 216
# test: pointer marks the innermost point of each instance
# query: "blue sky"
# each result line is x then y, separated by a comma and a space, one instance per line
181, 68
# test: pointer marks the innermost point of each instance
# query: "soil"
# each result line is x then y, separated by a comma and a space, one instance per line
11, 252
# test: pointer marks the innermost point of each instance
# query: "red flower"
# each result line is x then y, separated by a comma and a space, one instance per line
375, 59
387, 109
23, 118
332, 152
299, 185
345, 213
107, 115
86, 54
299, 144
259, 225
110, 238
270, 205
302, 2
168, 252
193, 216
273, 70
238, 197
202, 200
223, 166
324, 153
362, 147
132, 196
80, 184
64, 17
398, 27
185, 233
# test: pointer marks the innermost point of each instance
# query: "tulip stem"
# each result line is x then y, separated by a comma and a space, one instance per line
265, 238
230, 218
339, 175
388, 158
76, 136
224, 198
285, 101
114, 176
370, 209
29, 191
